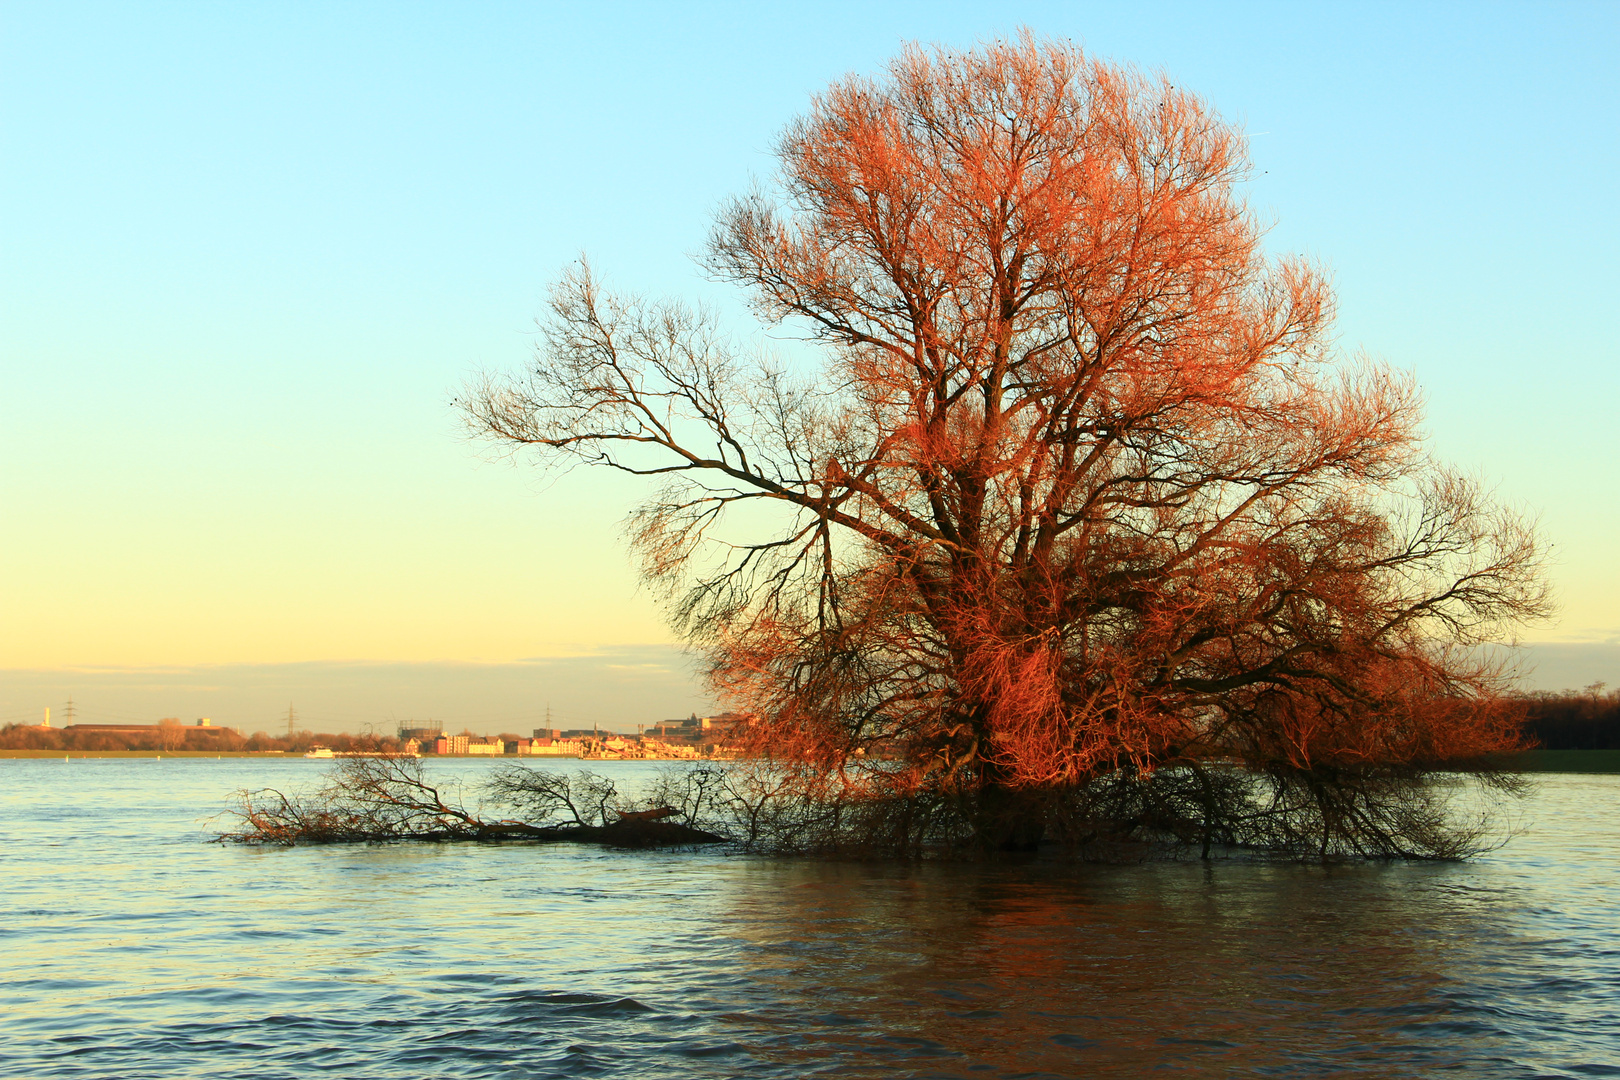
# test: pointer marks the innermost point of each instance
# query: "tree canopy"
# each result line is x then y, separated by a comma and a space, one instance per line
1069, 480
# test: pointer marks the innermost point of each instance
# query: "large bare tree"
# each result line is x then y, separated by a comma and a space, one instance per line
1067, 480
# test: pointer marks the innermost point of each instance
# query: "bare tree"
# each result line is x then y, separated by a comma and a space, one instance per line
171, 734
1069, 483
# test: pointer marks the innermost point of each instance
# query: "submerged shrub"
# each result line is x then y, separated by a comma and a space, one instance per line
872, 810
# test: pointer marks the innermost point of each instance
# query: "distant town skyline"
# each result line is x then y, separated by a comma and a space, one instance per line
253, 252
613, 689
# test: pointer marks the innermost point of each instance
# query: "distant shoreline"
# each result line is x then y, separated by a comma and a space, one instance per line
149, 754
289, 755
1531, 761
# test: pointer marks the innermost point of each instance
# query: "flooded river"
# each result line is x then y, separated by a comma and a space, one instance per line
130, 947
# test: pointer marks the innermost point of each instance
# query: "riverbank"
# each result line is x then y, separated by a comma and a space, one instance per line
209, 754
1567, 761
1533, 761
289, 755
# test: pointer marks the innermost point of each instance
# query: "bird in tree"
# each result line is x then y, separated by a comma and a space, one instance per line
1067, 481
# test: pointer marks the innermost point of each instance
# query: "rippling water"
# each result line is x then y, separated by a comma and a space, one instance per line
131, 948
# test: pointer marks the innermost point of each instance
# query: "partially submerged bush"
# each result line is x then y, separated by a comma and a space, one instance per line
389, 798
1375, 813
1378, 813
872, 812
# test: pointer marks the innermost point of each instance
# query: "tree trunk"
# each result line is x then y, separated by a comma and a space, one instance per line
1007, 818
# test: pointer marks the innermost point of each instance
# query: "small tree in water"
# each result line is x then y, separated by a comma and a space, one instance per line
1073, 509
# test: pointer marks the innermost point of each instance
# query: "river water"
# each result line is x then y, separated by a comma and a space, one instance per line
130, 947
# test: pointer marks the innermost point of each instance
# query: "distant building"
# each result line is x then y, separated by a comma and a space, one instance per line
727, 721
548, 747
421, 734
696, 729
446, 744
206, 727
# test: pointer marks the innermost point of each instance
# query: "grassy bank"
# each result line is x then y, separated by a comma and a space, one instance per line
146, 753
537, 760
1567, 761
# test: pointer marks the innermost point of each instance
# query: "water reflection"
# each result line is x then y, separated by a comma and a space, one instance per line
1107, 970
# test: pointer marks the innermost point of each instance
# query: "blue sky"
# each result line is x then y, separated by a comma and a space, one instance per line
250, 251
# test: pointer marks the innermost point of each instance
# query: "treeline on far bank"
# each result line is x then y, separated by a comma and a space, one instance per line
172, 738
1575, 720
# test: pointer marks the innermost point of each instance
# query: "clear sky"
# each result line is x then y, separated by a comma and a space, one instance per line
250, 251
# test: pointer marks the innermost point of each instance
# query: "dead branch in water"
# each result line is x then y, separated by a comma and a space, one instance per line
370, 800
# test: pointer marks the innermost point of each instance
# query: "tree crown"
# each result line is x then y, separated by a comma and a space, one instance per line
1078, 480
